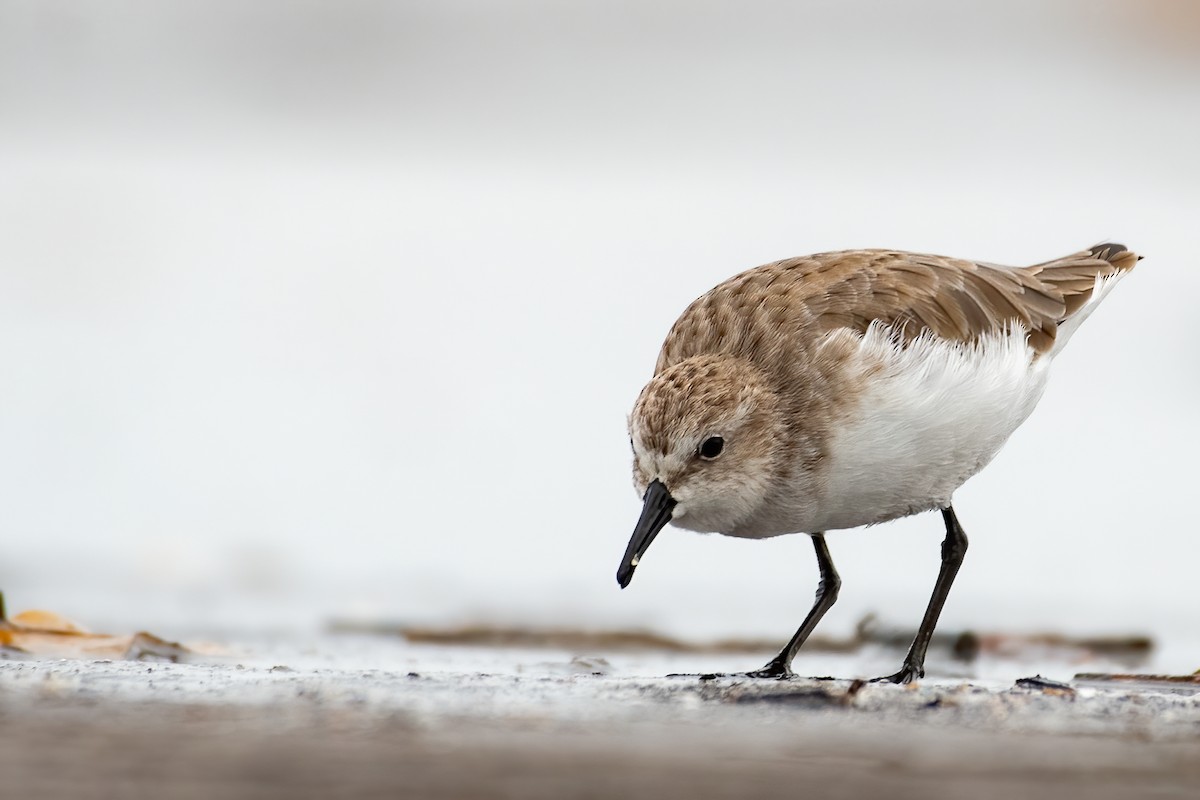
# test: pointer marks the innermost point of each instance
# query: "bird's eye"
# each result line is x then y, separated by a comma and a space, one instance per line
712, 447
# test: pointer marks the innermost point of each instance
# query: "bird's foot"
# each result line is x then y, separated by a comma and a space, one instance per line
773, 671
907, 674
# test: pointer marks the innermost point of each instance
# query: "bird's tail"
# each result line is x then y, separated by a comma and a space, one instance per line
1083, 279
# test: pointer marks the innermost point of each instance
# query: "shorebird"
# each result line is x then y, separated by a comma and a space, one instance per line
846, 389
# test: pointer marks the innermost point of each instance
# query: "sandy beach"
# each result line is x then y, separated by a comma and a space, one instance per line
352, 716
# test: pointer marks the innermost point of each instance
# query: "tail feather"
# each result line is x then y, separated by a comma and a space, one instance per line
1083, 279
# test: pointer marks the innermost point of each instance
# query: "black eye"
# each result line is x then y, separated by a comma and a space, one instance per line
712, 447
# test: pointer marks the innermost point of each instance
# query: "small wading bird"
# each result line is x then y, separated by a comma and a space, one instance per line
847, 389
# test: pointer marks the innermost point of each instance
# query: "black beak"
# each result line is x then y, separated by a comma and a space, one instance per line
656, 513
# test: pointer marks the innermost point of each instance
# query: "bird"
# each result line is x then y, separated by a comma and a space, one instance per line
846, 389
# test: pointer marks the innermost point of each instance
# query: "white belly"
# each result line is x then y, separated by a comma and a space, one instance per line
933, 415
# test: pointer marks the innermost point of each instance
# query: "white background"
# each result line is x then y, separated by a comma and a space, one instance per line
313, 311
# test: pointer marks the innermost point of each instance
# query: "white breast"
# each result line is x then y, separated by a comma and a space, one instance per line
932, 414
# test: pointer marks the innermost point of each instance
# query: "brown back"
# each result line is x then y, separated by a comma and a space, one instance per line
788, 302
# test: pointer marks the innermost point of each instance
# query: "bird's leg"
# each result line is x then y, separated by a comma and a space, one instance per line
827, 591
953, 549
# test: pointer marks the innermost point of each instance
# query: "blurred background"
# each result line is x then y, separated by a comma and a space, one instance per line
315, 311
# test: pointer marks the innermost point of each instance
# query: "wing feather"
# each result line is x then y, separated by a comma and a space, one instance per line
783, 305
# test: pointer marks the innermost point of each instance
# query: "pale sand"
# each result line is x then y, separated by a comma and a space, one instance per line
292, 724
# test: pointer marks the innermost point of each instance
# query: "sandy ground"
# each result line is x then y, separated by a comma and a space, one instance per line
357, 717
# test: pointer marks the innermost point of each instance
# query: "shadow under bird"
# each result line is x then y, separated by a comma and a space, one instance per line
846, 389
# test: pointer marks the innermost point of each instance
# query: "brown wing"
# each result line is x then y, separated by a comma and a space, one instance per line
786, 302
1075, 275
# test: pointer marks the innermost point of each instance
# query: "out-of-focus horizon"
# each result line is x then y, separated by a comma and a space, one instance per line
335, 310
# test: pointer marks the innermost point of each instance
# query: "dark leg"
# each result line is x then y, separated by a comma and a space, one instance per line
827, 591
953, 550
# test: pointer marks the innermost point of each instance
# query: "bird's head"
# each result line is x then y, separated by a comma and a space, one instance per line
707, 435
